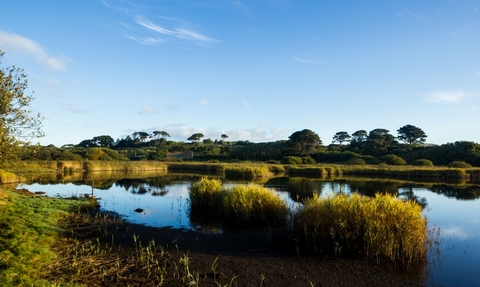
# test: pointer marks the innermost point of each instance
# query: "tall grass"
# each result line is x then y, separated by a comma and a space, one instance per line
127, 166
8, 177
383, 227
240, 205
247, 171
417, 172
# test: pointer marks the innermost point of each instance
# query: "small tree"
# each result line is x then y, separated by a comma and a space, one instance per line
17, 124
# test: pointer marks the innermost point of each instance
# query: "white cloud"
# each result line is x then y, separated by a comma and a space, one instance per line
448, 97
204, 103
19, 44
455, 231
179, 33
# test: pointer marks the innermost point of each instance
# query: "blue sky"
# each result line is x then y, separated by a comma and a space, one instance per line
255, 70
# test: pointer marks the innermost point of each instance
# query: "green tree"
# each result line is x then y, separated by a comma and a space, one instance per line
104, 141
195, 137
224, 137
17, 124
161, 134
411, 134
341, 137
303, 143
378, 141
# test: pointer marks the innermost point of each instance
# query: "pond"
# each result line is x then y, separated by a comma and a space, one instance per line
163, 200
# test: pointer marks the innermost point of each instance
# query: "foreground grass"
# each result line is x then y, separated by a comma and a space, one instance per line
28, 230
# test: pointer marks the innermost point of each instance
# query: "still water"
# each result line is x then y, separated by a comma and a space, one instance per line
454, 208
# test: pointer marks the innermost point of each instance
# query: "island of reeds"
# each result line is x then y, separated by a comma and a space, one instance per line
380, 227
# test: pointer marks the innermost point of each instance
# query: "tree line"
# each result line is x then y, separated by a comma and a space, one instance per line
302, 147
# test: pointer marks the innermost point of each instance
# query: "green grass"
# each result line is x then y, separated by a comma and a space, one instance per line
28, 230
382, 227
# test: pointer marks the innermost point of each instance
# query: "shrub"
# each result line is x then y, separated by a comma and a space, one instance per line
292, 160
308, 160
422, 162
392, 159
356, 161
459, 164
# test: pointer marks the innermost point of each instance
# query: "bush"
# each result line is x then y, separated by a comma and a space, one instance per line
292, 160
459, 164
356, 161
308, 160
392, 159
422, 162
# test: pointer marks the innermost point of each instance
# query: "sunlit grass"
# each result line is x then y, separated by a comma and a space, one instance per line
240, 205
383, 227
28, 230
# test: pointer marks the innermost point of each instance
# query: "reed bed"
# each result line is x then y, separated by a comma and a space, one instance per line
247, 171
231, 170
127, 166
437, 173
314, 170
241, 205
8, 177
383, 227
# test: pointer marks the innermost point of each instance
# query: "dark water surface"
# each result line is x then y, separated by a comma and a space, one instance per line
452, 207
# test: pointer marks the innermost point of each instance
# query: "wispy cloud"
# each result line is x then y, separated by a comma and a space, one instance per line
180, 33
305, 61
447, 97
19, 44
147, 111
246, 106
204, 103
145, 40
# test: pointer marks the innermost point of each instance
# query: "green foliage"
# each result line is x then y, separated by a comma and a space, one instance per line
459, 164
356, 161
308, 160
392, 159
334, 156
292, 160
411, 134
341, 137
302, 143
423, 162
17, 125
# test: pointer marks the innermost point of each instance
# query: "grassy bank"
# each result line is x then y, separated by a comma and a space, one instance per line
28, 231
230, 170
413, 172
8, 177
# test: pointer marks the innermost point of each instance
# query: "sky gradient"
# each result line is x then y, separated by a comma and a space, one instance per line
255, 70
